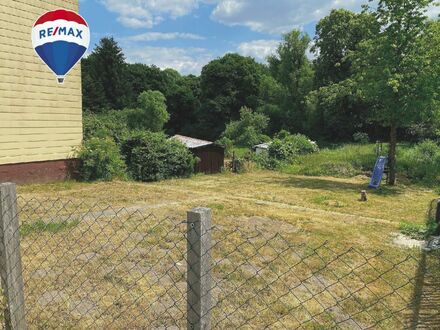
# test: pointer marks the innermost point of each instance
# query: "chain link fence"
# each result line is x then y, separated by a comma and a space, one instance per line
95, 267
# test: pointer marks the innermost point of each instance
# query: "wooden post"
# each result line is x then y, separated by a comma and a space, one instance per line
10, 259
199, 269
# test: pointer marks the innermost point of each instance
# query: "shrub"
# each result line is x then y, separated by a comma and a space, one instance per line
100, 159
151, 113
228, 144
264, 161
284, 149
422, 162
361, 138
111, 124
248, 131
153, 157
418, 231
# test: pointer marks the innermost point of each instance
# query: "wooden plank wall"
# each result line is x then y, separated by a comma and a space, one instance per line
39, 119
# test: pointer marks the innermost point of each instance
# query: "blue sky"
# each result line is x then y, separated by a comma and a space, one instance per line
187, 34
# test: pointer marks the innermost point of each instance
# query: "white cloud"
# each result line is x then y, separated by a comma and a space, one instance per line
434, 11
147, 13
258, 49
185, 60
277, 16
154, 36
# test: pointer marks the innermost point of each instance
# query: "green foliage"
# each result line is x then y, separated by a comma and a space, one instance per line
422, 162
153, 157
361, 138
151, 113
228, 144
336, 111
286, 147
109, 124
100, 159
418, 231
248, 131
390, 64
293, 71
40, 226
344, 161
104, 75
227, 84
337, 35
393, 67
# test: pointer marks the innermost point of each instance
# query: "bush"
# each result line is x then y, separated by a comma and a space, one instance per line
100, 159
418, 231
151, 113
422, 162
228, 144
111, 124
153, 157
361, 138
248, 131
286, 147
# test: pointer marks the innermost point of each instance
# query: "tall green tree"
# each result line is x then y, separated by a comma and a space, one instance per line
337, 35
390, 67
227, 84
293, 70
94, 98
107, 69
183, 101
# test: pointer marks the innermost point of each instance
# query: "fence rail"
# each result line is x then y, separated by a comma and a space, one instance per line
101, 267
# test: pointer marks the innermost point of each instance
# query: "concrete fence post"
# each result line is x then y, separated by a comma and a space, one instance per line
10, 259
199, 269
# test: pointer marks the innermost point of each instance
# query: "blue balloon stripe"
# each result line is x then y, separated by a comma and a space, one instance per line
61, 56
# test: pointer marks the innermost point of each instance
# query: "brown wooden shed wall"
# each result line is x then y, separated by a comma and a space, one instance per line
212, 159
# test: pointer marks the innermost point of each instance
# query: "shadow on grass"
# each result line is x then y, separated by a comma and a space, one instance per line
426, 295
328, 184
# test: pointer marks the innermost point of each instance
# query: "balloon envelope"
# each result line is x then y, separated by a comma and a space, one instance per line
60, 38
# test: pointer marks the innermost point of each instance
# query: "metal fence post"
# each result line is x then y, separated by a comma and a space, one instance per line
199, 269
10, 259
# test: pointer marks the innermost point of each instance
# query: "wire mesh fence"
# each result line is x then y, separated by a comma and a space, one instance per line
96, 267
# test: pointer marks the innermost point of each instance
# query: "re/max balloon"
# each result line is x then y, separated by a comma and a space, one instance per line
60, 38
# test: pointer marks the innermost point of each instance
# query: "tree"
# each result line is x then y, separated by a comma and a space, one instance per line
293, 70
272, 97
336, 111
94, 98
107, 70
152, 112
336, 36
390, 66
183, 100
248, 131
141, 77
227, 84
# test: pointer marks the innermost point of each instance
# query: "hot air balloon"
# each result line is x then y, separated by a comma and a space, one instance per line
60, 38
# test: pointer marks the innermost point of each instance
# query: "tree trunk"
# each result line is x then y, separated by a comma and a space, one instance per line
392, 155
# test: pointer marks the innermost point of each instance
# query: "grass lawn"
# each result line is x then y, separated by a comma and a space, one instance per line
304, 209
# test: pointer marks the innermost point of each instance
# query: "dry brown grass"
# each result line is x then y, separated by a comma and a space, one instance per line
123, 269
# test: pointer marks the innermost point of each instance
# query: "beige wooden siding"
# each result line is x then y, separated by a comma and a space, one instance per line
39, 119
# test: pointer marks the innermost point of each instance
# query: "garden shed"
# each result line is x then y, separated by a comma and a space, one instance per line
211, 155
40, 120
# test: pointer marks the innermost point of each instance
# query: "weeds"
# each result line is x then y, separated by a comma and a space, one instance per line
418, 231
40, 226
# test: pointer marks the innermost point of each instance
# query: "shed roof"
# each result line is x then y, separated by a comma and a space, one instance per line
262, 146
192, 143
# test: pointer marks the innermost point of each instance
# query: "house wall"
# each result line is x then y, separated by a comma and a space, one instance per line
40, 121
